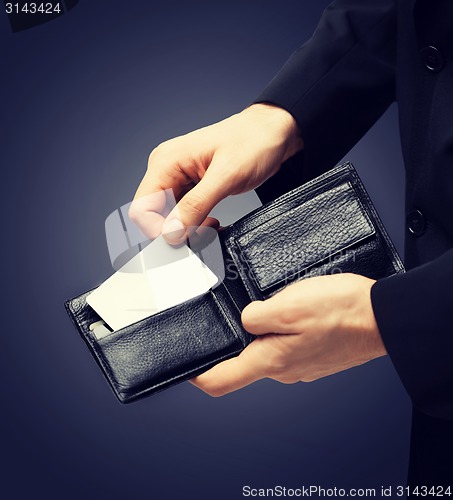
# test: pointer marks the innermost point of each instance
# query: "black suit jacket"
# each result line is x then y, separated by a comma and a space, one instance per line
364, 55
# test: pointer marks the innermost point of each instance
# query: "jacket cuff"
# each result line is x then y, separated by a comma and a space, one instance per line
414, 314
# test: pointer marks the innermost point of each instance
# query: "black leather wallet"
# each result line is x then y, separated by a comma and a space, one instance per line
325, 226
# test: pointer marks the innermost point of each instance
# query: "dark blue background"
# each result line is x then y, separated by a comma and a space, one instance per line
84, 99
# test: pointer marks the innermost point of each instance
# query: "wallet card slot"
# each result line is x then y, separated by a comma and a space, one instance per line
170, 346
287, 245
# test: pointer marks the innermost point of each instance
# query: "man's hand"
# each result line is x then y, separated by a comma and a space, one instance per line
205, 166
311, 329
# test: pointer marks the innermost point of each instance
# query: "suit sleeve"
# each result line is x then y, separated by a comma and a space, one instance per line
414, 315
340, 81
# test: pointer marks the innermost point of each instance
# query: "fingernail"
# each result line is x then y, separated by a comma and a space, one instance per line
174, 230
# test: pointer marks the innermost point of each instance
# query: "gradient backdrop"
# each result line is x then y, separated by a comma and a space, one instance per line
84, 99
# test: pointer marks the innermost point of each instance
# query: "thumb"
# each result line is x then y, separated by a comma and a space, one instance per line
254, 318
273, 315
251, 365
193, 208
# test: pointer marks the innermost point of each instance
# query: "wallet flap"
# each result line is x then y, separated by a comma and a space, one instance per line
326, 226
279, 248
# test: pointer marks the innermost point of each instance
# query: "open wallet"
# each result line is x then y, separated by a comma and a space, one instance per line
325, 226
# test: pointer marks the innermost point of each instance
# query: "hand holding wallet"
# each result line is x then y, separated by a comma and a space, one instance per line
326, 226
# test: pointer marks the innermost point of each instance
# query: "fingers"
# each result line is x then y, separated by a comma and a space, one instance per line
198, 189
193, 208
148, 212
234, 373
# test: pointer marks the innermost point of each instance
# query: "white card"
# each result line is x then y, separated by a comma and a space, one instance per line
159, 277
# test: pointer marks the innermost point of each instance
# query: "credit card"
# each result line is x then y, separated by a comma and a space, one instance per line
159, 277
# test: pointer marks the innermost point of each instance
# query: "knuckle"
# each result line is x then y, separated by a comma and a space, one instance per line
135, 213
193, 203
153, 155
288, 316
287, 379
277, 364
160, 151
